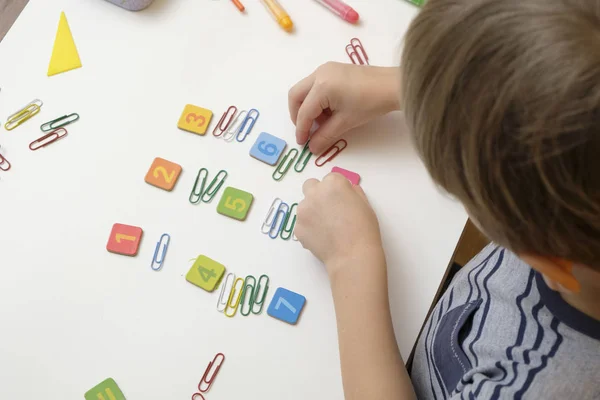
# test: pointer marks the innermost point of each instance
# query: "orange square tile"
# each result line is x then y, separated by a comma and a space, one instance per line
124, 239
163, 174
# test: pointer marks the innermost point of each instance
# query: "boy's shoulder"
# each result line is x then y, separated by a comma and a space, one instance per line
500, 332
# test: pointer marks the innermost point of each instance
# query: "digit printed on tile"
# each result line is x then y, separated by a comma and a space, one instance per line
286, 305
235, 203
206, 273
163, 174
124, 239
195, 119
268, 148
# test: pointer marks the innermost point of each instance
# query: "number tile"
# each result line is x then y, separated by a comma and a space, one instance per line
105, 390
195, 119
268, 148
286, 305
163, 174
124, 239
235, 203
353, 177
206, 273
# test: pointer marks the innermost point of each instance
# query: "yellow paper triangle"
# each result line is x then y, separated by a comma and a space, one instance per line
64, 54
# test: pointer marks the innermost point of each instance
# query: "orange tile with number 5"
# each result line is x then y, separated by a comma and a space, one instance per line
195, 119
163, 174
124, 239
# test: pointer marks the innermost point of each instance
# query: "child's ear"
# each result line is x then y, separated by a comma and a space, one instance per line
557, 272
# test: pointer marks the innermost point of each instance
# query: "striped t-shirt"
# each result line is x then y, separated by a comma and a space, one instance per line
499, 332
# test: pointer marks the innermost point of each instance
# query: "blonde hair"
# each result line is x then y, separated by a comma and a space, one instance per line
503, 100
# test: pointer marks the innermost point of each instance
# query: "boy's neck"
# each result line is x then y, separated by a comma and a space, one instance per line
588, 299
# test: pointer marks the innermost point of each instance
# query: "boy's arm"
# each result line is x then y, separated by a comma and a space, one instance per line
372, 367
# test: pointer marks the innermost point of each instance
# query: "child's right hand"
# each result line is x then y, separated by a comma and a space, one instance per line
340, 97
337, 224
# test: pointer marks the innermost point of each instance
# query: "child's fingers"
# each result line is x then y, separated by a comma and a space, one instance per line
326, 135
310, 110
309, 185
297, 94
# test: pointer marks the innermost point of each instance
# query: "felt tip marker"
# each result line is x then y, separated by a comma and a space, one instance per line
342, 9
282, 18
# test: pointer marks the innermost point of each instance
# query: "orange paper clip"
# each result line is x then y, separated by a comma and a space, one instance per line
357, 52
217, 366
222, 125
336, 150
239, 5
47, 139
4, 164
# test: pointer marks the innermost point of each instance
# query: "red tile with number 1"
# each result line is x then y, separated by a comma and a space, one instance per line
124, 239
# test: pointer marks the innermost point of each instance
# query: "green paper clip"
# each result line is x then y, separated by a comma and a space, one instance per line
301, 163
256, 301
245, 291
284, 227
211, 190
282, 168
59, 122
196, 197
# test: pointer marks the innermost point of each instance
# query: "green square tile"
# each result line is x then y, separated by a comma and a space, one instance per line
235, 203
105, 390
205, 273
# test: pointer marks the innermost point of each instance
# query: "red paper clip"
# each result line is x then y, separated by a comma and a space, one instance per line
222, 128
4, 164
336, 150
198, 396
52, 137
357, 52
239, 5
213, 375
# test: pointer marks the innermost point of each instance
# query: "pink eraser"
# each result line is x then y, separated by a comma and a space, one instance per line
353, 177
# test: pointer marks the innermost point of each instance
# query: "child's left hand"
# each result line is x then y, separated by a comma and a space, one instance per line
337, 224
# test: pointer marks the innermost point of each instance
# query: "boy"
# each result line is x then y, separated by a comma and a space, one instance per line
503, 101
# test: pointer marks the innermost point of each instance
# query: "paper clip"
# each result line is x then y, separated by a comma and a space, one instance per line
52, 137
212, 190
357, 52
283, 168
158, 260
268, 222
248, 287
198, 396
4, 164
232, 296
23, 114
245, 130
284, 229
222, 305
60, 122
235, 126
306, 158
260, 302
278, 222
239, 5
222, 128
216, 363
336, 150
196, 197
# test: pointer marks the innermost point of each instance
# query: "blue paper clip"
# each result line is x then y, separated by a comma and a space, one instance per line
156, 260
246, 129
277, 221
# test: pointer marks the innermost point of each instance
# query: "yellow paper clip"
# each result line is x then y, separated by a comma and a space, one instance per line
235, 298
23, 114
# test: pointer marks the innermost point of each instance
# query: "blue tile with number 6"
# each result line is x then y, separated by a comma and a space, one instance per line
268, 148
286, 305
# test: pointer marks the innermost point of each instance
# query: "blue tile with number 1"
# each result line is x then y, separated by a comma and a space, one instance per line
268, 148
286, 305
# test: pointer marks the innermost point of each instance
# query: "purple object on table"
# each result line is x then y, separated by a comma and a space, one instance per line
132, 5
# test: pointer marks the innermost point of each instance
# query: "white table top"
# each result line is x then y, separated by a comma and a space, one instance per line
73, 314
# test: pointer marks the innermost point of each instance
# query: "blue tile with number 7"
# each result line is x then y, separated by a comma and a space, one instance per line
268, 148
286, 305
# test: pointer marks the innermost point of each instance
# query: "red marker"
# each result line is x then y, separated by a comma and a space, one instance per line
342, 9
